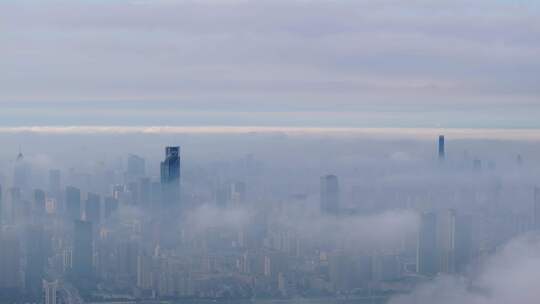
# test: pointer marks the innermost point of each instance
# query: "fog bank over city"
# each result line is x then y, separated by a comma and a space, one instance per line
508, 276
377, 215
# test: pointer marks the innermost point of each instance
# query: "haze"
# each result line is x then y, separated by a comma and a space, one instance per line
269, 151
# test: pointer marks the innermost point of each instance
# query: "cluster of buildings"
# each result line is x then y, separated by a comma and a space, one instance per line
136, 241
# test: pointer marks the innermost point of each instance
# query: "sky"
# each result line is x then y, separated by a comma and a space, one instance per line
299, 63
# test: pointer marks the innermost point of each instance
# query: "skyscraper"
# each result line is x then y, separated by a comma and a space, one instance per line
93, 208
238, 193
36, 257
222, 199
10, 263
463, 242
82, 249
39, 208
145, 192
136, 167
133, 193
1, 208
21, 172
17, 204
111, 206
54, 183
426, 253
73, 203
442, 151
329, 194
127, 253
50, 292
170, 176
446, 241
537, 208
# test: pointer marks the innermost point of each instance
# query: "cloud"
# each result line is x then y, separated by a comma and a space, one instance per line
383, 230
510, 276
380, 133
206, 217
311, 52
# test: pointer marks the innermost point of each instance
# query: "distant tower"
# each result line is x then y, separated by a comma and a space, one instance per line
446, 241
21, 172
73, 203
20, 156
477, 164
442, 152
329, 194
111, 206
136, 167
238, 193
426, 253
93, 208
54, 183
1, 207
145, 192
519, 160
536, 208
463, 242
170, 176
39, 208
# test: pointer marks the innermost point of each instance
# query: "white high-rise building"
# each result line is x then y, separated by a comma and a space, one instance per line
50, 292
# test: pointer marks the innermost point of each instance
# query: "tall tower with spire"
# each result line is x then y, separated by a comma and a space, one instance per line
20, 156
442, 151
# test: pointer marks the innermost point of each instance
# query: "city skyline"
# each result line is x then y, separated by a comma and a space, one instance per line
120, 227
269, 151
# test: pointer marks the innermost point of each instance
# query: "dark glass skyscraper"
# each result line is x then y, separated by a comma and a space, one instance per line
329, 194
170, 176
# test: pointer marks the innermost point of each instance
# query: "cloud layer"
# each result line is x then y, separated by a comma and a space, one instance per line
312, 52
510, 276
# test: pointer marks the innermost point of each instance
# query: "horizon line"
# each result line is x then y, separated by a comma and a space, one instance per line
457, 133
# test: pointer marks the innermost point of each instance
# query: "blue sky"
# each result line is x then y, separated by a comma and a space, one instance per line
315, 63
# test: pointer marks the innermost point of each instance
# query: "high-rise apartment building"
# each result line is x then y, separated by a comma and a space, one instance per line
426, 253
93, 208
73, 203
329, 197
82, 261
